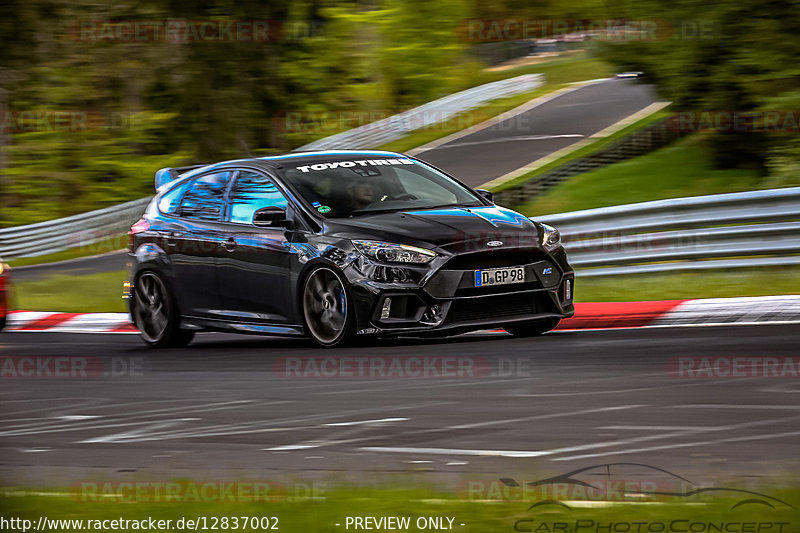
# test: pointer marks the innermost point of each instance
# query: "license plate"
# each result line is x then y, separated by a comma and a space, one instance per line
499, 276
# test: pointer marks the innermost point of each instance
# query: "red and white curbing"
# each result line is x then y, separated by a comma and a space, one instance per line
69, 322
601, 315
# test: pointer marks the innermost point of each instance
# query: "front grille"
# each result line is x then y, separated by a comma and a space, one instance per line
493, 259
501, 306
497, 289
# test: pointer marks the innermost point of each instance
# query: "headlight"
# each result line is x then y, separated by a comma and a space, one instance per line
551, 238
394, 253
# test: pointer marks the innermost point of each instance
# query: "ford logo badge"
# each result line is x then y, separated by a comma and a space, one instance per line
494, 243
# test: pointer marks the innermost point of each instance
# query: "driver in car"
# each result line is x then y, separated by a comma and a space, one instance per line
362, 193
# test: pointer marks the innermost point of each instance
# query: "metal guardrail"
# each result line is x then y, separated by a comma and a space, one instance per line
394, 127
748, 229
76, 231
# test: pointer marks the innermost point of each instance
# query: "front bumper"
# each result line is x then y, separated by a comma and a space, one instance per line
446, 301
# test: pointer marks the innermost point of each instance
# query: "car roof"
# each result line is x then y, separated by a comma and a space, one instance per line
275, 160
322, 154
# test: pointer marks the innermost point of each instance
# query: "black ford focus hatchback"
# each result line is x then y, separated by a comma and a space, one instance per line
335, 244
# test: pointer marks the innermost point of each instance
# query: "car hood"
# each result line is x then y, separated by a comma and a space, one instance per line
442, 228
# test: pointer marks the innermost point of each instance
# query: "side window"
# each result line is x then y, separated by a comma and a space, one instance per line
206, 196
251, 192
171, 200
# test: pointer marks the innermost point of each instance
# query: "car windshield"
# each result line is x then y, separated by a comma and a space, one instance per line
356, 187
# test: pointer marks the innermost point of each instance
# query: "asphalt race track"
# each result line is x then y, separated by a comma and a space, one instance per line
234, 406
513, 143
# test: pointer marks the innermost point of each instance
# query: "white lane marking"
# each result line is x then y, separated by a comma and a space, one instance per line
585, 393
580, 447
290, 448
204, 407
516, 138
682, 445
735, 406
355, 428
613, 128
545, 416
47, 426
78, 417
128, 436
264, 426
527, 106
400, 385
661, 436
448, 451
656, 428
363, 422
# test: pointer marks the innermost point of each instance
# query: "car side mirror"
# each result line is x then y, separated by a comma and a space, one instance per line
486, 194
270, 217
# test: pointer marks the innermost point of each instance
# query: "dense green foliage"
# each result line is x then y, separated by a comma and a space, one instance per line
132, 104
722, 56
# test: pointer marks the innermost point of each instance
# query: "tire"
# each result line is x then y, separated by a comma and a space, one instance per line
155, 314
326, 303
533, 328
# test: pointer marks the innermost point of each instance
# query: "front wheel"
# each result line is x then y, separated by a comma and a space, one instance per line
533, 328
327, 314
155, 314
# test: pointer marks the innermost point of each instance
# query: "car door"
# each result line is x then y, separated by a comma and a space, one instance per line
254, 270
194, 238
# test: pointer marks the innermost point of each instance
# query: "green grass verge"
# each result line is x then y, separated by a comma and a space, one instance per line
329, 513
679, 170
558, 72
687, 285
110, 244
93, 293
585, 150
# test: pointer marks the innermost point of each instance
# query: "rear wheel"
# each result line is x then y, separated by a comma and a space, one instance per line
155, 314
327, 316
533, 328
